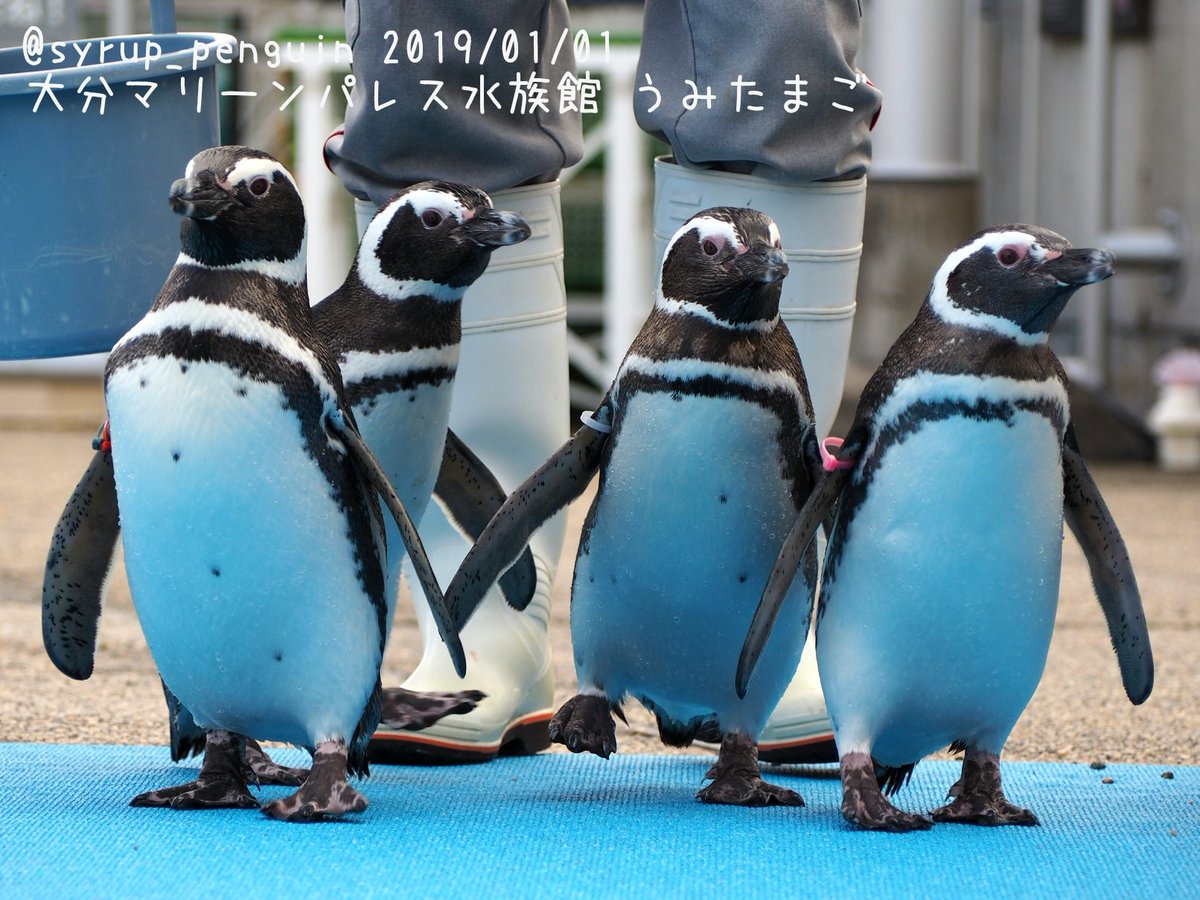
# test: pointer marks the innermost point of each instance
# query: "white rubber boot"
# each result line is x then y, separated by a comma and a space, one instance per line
821, 224
510, 407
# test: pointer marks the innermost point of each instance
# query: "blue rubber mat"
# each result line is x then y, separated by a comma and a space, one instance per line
558, 825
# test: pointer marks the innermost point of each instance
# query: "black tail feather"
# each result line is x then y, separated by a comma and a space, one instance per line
675, 733
892, 778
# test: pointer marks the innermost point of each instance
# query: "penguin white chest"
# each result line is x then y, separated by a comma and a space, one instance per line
942, 585
243, 572
406, 429
690, 516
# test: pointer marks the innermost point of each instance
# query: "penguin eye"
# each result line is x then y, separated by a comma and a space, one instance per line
1010, 256
709, 246
431, 218
259, 186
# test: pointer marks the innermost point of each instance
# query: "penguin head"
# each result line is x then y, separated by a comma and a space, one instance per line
1014, 279
434, 236
240, 206
726, 264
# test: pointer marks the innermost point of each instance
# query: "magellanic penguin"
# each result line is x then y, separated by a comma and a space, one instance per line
253, 538
395, 325
942, 573
706, 452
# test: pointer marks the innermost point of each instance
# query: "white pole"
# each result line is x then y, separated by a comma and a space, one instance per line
1093, 160
627, 234
915, 51
120, 16
1030, 107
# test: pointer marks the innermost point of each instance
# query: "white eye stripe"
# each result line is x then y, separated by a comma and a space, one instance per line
425, 199
248, 169
707, 227
997, 241
948, 311
370, 270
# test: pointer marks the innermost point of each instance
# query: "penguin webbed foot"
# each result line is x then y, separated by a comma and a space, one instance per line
218, 792
863, 803
978, 797
737, 781
415, 710
585, 722
981, 811
219, 785
258, 768
325, 794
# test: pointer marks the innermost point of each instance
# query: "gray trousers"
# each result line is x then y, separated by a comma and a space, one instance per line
811, 117
424, 106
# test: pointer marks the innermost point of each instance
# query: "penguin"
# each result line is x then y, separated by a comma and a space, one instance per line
402, 341
706, 452
248, 501
394, 326
941, 575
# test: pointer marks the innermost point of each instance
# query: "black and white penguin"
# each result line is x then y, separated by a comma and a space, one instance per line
248, 500
395, 325
706, 451
942, 572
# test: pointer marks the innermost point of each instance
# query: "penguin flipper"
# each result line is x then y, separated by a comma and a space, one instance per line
372, 473
1113, 579
558, 481
791, 557
471, 495
77, 567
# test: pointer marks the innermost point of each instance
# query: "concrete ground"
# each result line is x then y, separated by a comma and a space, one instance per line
1079, 714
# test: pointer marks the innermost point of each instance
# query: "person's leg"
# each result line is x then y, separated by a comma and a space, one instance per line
511, 408
510, 395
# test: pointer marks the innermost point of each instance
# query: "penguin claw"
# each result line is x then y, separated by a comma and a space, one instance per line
325, 794
863, 803
415, 710
884, 817
980, 811
737, 781
978, 796
736, 790
217, 792
585, 722
258, 768
314, 804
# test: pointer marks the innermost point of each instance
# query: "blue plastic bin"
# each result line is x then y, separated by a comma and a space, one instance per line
86, 235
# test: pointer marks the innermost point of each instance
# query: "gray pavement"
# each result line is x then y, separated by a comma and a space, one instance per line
1079, 713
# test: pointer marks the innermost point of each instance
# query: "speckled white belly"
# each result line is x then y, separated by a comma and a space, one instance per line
239, 561
692, 513
939, 613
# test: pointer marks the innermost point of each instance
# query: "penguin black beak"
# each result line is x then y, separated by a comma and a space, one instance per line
763, 263
199, 197
1076, 267
496, 228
